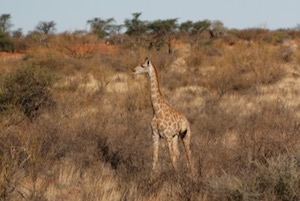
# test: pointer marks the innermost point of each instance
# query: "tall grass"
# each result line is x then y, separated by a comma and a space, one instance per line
95, 142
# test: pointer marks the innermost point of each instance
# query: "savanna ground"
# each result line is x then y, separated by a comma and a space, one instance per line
75, 123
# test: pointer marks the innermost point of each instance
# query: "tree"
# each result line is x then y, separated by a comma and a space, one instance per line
194, 29
103, 28
217, 29
5, 23
164, 32
46, 27
163, 26
135, 26
6, 43
186, 26
200, 26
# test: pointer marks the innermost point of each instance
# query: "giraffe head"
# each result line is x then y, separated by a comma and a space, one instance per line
143, 68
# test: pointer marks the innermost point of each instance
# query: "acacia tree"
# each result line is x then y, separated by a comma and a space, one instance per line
200, 26
135, 26
6, 43
46, 27
217, 29
186, 27
164, 32
103, 28
5, 23
195, 28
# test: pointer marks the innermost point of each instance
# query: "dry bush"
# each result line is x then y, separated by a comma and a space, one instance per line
276, 179
256, 35
237, 149
96, 144
244, 67
199, 55
271, 132
196, 58
294, 33
21, 45
285, 53
122, 60
230, 39
203, 55
73, 131
77, 45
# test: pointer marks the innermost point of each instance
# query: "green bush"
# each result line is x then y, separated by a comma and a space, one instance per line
6, 43
26, 89
280, 36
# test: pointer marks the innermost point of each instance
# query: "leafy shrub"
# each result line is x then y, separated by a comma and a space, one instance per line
280, 36
28, 89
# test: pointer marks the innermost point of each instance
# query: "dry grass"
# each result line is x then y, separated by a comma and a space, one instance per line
95, 142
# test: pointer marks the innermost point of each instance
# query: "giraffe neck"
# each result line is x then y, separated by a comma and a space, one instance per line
156, 96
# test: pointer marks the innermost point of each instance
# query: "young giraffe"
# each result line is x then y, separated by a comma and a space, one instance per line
167, 122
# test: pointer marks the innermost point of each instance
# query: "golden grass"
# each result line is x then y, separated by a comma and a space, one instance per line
95, 142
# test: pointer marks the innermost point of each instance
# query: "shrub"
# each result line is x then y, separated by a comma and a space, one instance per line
254, 35
6, 43
285, 53
244, 68
278, 178
28, 89
77, 45
20, 45
280, 36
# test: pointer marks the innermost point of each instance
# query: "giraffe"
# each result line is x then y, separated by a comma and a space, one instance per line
167, 122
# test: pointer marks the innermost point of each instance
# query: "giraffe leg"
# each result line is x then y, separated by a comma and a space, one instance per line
155, 138
186, 143
172, 151
175, 150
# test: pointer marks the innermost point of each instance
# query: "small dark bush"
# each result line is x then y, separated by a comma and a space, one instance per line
27, 89
6, 43
280, 37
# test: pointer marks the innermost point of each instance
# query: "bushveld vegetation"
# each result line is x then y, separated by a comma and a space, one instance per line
75, 123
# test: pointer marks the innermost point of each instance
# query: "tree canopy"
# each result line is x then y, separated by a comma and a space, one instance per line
104, 27
163, 26
135, 26
46, 27
5, 23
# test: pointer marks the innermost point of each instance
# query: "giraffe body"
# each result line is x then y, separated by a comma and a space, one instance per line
167, 122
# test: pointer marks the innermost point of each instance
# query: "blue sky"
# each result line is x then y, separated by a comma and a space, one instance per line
71, 15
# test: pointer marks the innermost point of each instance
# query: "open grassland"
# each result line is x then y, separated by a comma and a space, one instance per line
75, 123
